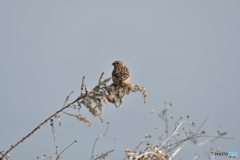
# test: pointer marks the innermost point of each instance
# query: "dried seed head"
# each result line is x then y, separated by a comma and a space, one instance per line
127, 151
84, 119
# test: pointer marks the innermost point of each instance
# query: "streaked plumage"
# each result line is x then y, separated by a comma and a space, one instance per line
120, 73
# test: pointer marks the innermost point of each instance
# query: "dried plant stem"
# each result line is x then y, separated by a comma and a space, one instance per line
82, 85
54, 137
136, 148
103, 156
178, 150
100, 79
65, 149
174, 132
97, 140
3, 155
39, 126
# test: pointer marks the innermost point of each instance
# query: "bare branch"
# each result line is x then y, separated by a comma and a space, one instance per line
39, 126
66, 149
92, 156
100, 79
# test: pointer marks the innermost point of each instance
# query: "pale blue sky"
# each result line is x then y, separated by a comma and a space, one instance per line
183, 52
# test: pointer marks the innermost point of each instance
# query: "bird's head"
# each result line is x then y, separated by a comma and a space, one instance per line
118, 63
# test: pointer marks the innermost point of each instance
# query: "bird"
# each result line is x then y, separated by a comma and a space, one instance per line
120, 73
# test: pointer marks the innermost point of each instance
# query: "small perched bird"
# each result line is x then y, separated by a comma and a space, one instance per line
120, 73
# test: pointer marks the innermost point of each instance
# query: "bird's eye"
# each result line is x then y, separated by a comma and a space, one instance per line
117, 63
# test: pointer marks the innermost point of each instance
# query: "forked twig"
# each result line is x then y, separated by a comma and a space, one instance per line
92, 158
65, 149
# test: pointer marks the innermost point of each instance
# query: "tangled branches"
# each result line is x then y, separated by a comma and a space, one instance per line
167, 148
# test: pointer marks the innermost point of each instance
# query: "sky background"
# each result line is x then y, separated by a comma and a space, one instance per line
183, 52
